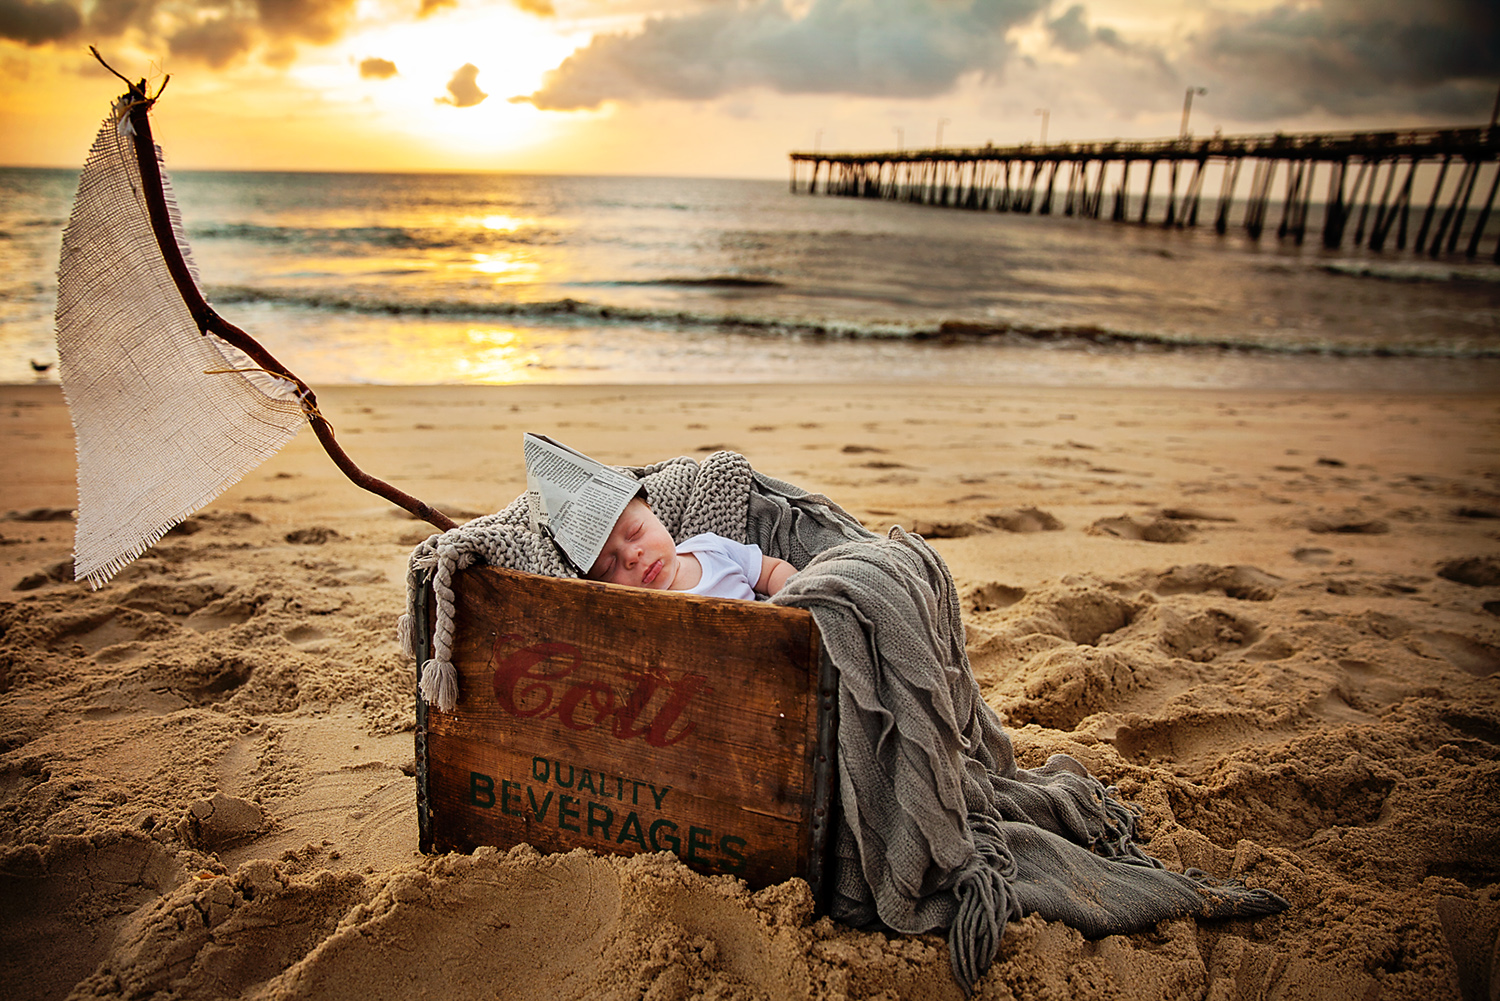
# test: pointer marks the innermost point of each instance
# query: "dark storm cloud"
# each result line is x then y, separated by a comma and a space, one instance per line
375, 68
1437, 57
212, 31
463, 89
108, 18
319, 21
886, 48
38, 23
216, 42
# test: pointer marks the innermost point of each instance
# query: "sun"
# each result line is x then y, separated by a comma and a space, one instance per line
510, 52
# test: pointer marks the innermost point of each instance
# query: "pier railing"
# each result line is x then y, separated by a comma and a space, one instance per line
1382, 202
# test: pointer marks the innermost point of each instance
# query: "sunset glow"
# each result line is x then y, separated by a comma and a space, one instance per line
672, 87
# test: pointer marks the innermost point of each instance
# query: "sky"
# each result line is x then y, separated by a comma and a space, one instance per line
719, 88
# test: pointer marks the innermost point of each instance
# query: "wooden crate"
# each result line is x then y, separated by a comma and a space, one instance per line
624, 720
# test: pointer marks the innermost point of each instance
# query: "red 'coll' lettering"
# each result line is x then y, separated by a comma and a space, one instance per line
528, 680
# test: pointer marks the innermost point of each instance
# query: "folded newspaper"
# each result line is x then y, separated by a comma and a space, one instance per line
573, 498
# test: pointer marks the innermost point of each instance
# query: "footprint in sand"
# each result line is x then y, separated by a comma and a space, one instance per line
1241, 581
100, 628
1017, 520
175, 598
1372, 584
1475, 571
1462, 652
201, 605
1299, 788
992, 597
1347, 523
1202, 636
230, 610
1189, 740
1194, 514
1469, 511
308, 638
316, 535
1163, 530
54, 573
220, 521
1023, 519
41, 514
946, 529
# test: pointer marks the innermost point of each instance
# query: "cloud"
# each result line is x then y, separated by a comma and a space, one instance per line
1355, 57
221, 31
375, 68
212, 31
430, 7
1072, 33
463, 91
884, 48
216, 42
111, 18
318, 21
38, 23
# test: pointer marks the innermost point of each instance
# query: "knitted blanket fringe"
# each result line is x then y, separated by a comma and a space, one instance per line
939, 829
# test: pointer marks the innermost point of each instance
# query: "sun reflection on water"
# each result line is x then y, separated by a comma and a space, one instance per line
507, 266
500, 223
498, 355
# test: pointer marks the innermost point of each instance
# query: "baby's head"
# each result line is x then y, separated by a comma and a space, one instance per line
639, 551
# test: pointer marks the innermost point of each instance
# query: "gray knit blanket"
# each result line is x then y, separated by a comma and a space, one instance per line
939, 828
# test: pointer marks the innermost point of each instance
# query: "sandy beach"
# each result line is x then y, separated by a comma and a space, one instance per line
1272, 620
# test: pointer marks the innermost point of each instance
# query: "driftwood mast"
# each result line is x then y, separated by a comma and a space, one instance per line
139, 105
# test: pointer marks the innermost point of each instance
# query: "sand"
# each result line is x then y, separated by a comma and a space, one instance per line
1269, 619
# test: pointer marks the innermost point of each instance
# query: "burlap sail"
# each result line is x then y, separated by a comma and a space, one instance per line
157, 435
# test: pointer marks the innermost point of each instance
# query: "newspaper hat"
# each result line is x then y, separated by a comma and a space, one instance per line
573, 498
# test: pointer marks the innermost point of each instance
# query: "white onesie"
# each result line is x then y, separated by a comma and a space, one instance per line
730, 569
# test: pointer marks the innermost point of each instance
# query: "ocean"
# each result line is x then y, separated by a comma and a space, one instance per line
497, 278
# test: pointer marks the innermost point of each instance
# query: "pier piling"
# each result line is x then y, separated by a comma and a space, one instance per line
1073, 178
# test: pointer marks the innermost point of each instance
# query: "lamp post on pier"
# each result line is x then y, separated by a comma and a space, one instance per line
941, 123
1046, 113
1187, 107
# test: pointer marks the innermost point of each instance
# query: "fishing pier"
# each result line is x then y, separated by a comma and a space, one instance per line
1384, 189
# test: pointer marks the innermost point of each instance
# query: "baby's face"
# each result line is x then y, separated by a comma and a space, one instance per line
639, 552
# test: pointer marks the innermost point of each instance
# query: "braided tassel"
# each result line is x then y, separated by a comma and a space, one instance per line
439, 684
